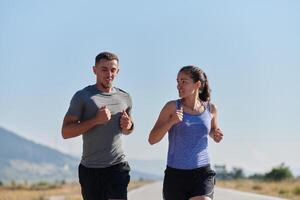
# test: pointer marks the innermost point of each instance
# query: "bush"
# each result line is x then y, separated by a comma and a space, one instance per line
43, 185
257, 187
283, 191
257, 177
296, 190
279, 173
237, 173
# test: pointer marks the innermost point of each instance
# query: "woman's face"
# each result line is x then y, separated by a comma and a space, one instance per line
186, 86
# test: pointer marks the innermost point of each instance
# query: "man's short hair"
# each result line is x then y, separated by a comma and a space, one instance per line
107, 56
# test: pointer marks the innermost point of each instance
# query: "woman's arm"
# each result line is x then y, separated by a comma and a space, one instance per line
167, 118
215, 132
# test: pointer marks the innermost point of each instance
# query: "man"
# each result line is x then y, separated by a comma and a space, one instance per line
101, 114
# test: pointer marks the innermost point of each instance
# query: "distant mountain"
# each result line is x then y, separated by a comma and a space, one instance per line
22, 159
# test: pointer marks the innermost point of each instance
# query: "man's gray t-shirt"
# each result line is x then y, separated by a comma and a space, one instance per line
102, 146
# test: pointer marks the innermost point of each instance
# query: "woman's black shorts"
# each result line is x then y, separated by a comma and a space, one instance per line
181, 184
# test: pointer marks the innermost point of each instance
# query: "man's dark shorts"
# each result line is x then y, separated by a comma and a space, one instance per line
104, 183
184, 184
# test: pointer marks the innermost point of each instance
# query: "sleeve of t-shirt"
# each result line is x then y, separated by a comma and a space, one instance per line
76, 105
128, 110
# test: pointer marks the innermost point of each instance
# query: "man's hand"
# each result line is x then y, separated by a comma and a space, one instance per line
103, 115
125, 122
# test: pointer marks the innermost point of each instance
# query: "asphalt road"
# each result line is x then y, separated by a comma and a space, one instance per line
154, 192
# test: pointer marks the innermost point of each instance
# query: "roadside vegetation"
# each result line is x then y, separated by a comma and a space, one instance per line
279, 181
43, 190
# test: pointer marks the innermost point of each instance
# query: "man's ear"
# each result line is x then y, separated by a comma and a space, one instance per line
94, 69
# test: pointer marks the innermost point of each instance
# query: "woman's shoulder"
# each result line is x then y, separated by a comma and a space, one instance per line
211, 107
171, 105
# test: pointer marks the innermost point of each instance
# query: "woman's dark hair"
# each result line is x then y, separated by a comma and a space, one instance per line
198, 74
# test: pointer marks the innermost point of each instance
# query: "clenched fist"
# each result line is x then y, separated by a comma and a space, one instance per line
217, 135
125, 122
103, 115
177, 116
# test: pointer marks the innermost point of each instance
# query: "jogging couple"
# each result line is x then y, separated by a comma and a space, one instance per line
101, 113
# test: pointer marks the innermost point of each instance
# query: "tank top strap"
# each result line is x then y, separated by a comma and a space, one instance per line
178, 104
207, 105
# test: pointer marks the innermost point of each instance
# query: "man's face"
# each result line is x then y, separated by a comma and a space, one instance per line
106, 71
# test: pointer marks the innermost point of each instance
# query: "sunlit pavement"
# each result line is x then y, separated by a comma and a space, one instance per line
154, 192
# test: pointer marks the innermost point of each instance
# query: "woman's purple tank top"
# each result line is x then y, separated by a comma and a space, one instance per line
188, 140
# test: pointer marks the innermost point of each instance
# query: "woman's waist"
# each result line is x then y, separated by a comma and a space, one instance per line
188, 160
203, 168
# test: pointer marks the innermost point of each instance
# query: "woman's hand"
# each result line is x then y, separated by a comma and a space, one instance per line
217, 135
177, 116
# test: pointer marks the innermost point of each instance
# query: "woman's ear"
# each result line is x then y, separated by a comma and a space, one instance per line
199, 85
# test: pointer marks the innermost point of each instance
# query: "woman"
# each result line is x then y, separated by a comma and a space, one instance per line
188, 120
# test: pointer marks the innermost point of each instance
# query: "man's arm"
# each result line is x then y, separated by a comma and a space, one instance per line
72, 127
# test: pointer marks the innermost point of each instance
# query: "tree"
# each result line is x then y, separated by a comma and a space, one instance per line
279, 173
257, 176
237, 173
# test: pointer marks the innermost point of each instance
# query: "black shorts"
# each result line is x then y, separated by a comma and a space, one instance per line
180, 184
104, 183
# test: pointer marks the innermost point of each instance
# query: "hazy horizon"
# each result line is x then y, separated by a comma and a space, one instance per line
157, 166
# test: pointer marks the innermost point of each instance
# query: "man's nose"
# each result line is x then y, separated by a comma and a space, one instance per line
109, 73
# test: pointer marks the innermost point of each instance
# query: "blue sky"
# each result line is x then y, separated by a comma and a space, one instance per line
249, 50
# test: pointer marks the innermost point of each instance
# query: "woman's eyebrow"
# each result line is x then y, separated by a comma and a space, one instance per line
185, 79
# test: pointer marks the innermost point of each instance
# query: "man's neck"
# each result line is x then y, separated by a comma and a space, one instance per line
104, 89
